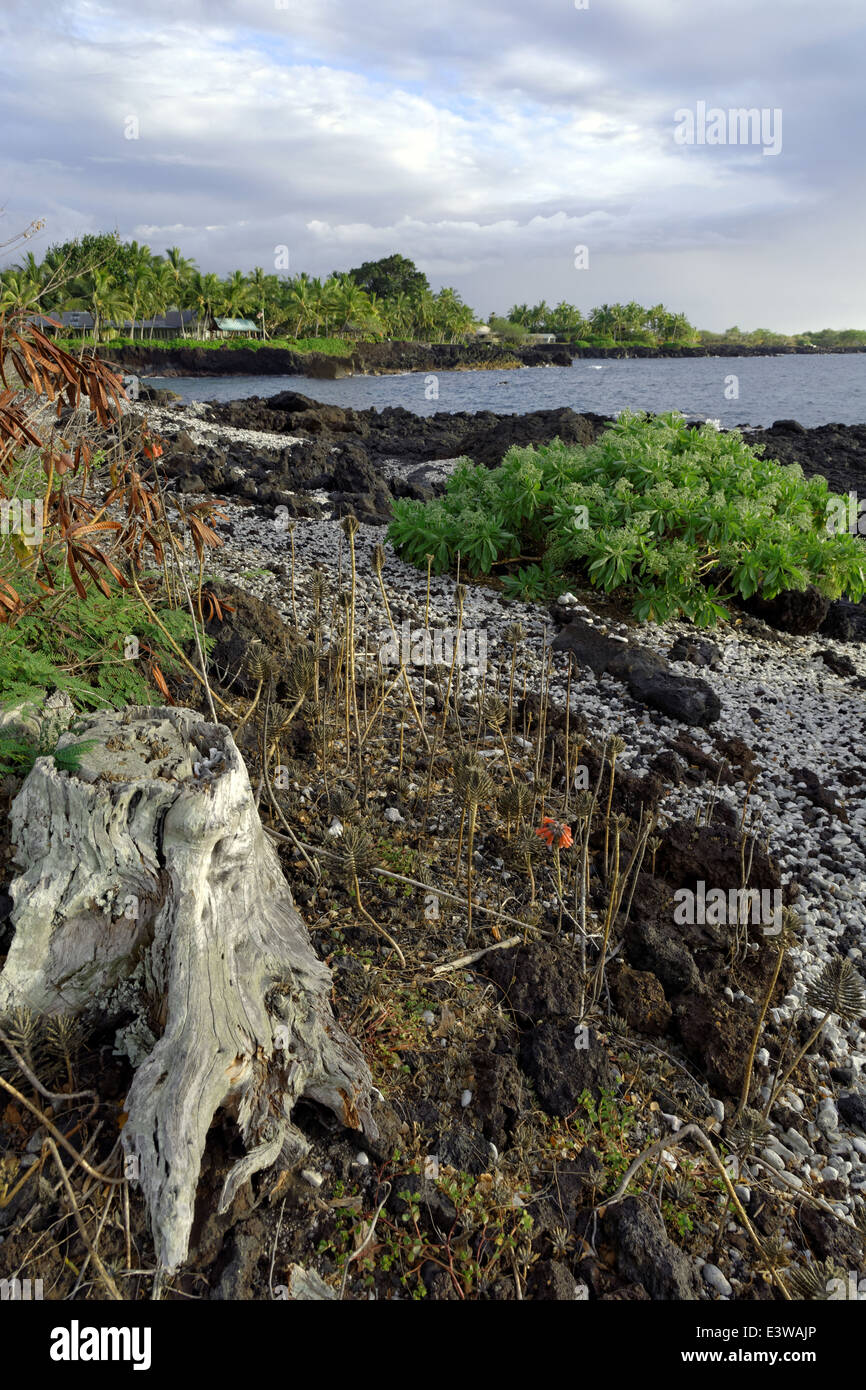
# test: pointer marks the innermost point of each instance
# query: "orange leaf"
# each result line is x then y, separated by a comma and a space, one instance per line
159, 679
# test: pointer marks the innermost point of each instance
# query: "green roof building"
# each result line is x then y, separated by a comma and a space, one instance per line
245, 327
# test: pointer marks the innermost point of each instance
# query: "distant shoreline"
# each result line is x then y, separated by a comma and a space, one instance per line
373, 359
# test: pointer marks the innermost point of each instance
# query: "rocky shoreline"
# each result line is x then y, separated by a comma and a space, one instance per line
498, 1112
262, 448
754, 716
149, 359
366, 359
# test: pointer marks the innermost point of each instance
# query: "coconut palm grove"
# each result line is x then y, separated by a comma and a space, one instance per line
124, 286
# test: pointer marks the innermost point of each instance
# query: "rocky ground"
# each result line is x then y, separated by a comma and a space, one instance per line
258, 447
512, 1104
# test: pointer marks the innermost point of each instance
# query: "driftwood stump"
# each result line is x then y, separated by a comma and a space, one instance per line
150, 893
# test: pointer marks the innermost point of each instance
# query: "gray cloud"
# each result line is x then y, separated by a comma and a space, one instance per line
483, 140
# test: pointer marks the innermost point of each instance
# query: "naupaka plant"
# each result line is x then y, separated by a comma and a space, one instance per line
683, 520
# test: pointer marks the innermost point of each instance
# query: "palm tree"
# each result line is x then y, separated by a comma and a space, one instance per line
398, 314
454, 317
319, 302
236, 294
655, 319
140, 286
259, 285
633, 316
300, 305
680, 329
182, 271
351, 304
106, 300
537, 318
564, 319
18, 291
374, 315
424, 312
162, 287
204, 293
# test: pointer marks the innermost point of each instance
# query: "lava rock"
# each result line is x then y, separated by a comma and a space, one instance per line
499, 1095
647, 675
561, 1071
845, 621
248, 620
852, 1108
536, 982
549, 1280
829, 1238
794, 611
658, 949
816, 792
646, 1255
638, 996
717, 1036
697, 651
839, 665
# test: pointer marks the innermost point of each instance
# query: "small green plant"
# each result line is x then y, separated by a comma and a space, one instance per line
83, 647
489, 1232
605, 1123
400, 859
681, 520
17, 755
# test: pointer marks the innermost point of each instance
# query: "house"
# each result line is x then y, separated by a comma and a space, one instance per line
242, 328
177, 323
538, 339
70, 323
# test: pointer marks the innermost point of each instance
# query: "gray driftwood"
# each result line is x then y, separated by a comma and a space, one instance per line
151, 894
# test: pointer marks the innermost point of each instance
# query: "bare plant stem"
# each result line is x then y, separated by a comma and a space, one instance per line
750, 1060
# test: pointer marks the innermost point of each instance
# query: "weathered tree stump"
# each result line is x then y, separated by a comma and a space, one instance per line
150, 893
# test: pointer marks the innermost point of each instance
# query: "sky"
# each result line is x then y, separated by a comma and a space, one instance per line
485, 139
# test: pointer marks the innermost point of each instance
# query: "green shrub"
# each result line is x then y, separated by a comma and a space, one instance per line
79, 646
333, 347
682, 520
17, 755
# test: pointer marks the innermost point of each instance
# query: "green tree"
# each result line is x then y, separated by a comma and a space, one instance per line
18, 292
390, 276
182, 271
236, 294
106, 300
205, 294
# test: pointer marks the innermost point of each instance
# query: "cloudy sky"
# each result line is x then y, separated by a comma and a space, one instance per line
486, 140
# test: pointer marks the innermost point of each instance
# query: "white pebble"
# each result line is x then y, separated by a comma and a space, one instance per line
715, 1279
827, 1118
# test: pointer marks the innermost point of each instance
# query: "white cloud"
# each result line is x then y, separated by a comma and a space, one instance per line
484, 140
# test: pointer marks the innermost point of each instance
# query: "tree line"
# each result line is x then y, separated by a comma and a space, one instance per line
633, 325
118, 281
121, 281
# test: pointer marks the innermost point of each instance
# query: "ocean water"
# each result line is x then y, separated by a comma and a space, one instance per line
734, 390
